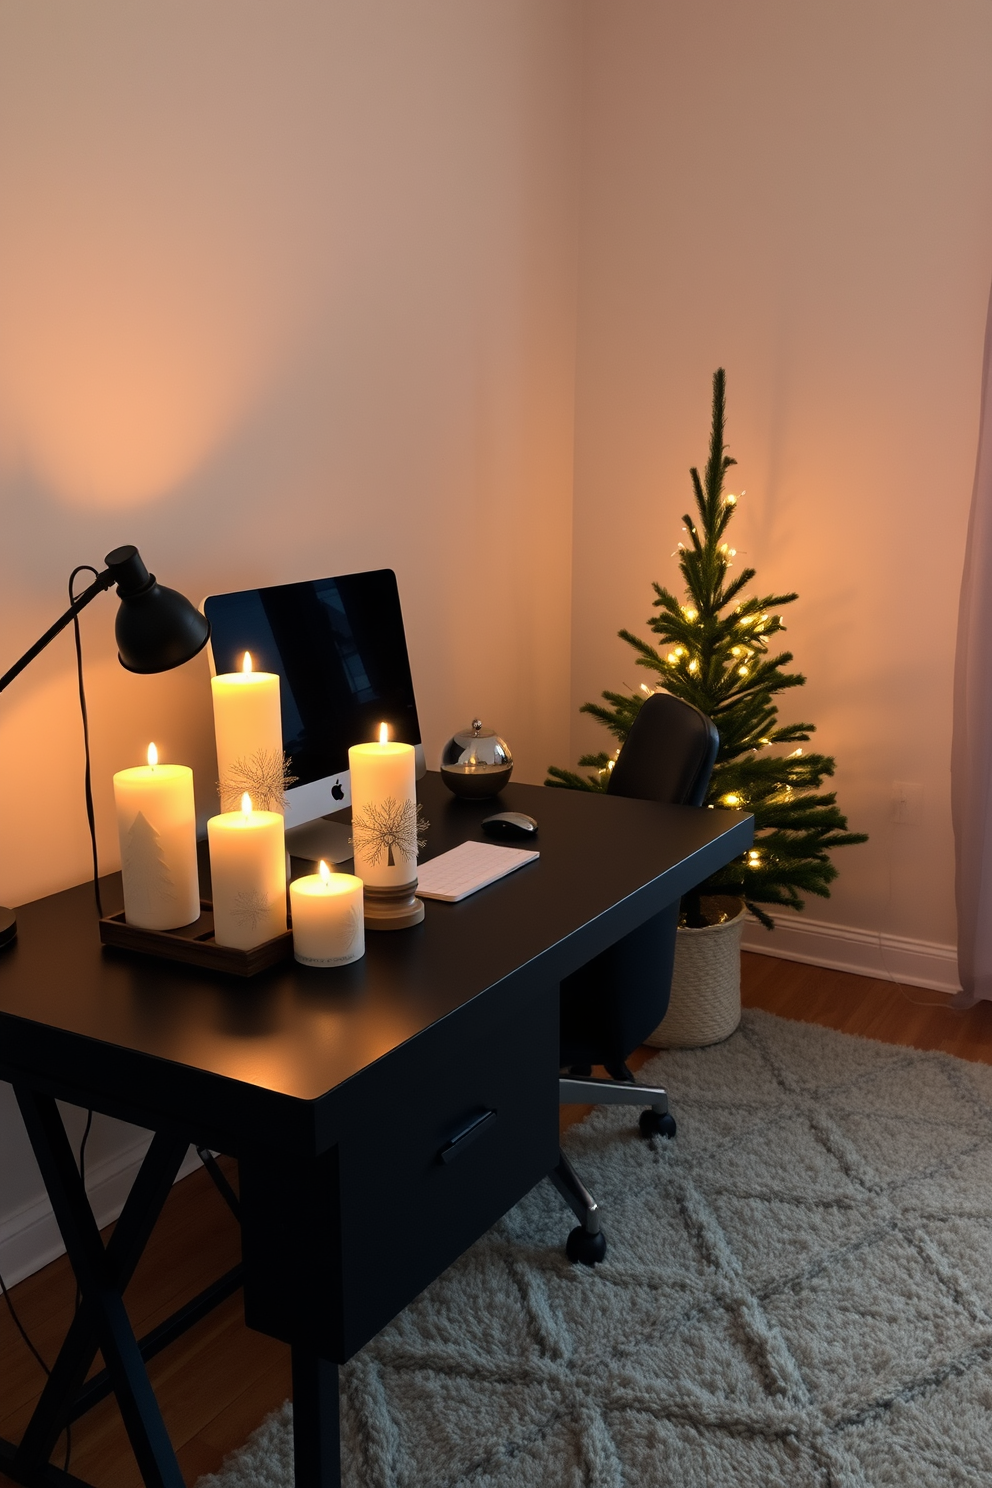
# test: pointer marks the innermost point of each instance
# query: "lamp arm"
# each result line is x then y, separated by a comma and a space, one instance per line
100, 585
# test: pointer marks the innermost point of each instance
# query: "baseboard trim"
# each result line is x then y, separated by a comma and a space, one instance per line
30, 1237
892, 958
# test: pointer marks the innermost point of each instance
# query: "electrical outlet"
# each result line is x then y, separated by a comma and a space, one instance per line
907, 802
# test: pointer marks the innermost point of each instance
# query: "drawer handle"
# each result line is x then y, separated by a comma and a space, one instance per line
468, 1133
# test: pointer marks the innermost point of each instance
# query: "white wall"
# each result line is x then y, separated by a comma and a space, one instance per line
800, 193
284, 291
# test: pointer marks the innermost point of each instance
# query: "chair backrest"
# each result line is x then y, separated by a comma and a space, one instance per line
668, 755
611, 1004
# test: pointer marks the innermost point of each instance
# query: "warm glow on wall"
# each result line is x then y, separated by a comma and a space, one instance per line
118, 381
164, 246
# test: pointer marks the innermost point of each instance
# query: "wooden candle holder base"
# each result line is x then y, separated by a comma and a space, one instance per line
195, 944
394, 908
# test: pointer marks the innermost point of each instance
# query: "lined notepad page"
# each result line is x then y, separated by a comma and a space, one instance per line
465, 869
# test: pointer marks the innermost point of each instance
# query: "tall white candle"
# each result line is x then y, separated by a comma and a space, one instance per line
384, 811
156, 824
328, 918
248, 874
248, 735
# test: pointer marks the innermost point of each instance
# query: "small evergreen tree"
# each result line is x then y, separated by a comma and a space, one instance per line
718, 659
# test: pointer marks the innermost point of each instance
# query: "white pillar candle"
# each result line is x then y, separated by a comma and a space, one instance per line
328, 918
156, 824
248, 874
384, 811
248, 735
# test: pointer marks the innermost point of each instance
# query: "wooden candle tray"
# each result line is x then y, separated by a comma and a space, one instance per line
195, 944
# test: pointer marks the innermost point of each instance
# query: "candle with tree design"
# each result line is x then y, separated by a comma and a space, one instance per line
156, 825
384, 811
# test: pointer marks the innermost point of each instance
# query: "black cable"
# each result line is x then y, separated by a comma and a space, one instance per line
79, 1296
87, 779
82, 1147
20, 1326
91, 820
82, 1178
13, 1311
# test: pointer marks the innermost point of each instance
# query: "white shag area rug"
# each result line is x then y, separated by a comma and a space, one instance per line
798, 1292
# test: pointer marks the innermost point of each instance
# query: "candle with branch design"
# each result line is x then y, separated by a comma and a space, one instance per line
248, 873
248, 734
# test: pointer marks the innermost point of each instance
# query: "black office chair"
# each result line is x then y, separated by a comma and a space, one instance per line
609, 1007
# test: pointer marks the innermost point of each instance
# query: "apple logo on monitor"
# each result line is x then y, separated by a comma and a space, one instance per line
337, 791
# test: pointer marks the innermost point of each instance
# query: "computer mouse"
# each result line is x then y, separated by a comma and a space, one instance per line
510, 824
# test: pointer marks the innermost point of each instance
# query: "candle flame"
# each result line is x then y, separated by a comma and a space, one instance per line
384, 733
152, 755
246, 664
246, 805
325, 872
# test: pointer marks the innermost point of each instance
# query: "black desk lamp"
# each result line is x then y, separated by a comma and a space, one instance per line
156, 629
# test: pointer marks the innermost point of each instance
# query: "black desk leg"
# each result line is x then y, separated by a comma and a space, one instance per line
316, 1428
144, 1204
101, 1291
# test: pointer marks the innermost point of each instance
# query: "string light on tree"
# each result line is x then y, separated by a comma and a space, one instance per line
716, 655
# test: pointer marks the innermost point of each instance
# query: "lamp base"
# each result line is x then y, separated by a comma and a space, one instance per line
8, 926
393, 908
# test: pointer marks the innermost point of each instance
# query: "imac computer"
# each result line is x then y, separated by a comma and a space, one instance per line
339, 648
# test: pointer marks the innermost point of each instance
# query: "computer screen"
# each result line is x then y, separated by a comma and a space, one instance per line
339, 648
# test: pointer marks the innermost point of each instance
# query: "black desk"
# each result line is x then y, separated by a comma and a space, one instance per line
334, 1090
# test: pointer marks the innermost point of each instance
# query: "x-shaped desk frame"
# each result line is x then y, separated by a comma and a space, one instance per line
101, 1322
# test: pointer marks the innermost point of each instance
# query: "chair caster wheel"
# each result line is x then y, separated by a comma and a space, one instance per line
653, 1125
585, 1248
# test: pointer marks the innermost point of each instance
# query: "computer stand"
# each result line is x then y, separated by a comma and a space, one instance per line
322, 838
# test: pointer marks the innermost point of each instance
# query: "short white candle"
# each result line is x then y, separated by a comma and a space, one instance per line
248, 735
328, 918
156, 824
248, 874
384, 811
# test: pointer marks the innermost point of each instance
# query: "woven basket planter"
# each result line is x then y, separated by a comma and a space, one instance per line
705, 1005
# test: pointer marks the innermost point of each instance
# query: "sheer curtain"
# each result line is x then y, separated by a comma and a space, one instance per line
971, 751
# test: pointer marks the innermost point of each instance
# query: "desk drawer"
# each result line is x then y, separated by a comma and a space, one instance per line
455, 1128
416, 1157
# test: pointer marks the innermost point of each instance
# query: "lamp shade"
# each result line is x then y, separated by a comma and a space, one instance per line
156, 628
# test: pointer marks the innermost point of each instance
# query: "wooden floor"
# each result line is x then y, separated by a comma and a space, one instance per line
218, 1382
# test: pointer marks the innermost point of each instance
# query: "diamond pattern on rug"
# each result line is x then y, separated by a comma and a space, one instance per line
798, 1292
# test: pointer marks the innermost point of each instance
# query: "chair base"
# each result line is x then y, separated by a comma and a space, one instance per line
591, 1091
587, 1243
